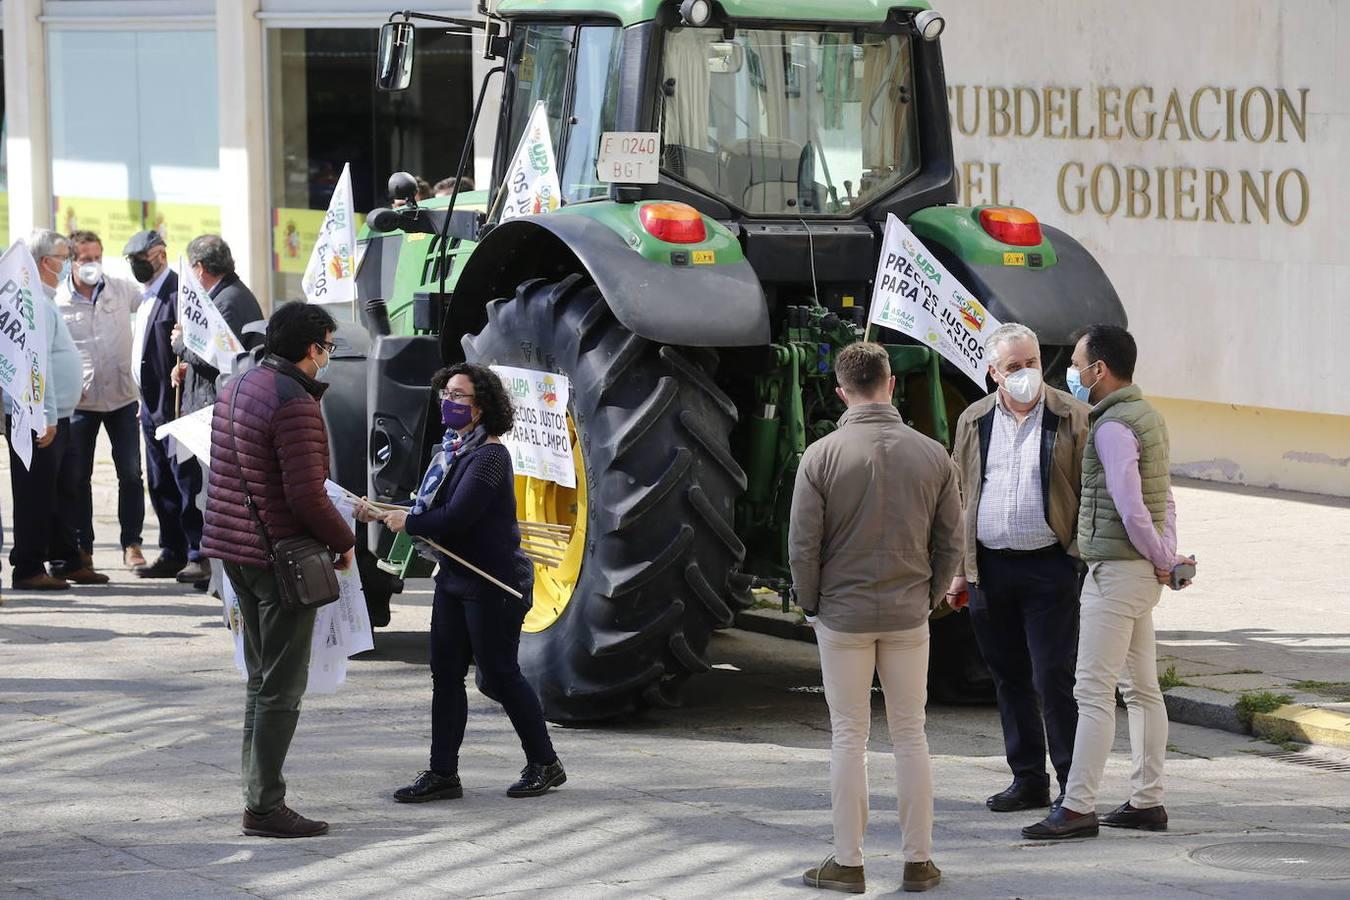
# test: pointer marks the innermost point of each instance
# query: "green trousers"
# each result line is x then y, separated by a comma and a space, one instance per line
276, 652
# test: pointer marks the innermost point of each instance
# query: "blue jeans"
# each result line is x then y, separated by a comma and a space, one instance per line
75, 495
485, 630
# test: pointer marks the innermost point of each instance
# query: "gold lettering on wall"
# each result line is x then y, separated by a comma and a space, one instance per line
1255, 114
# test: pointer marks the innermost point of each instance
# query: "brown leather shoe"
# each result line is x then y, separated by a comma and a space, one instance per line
1154, 818
132, 557
43, 582
85, 575
921, 876
282, 822
87, 559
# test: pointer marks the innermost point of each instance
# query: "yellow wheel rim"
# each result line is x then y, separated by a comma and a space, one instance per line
553, 504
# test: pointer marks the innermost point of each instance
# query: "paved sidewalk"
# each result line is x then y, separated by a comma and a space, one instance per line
119, 736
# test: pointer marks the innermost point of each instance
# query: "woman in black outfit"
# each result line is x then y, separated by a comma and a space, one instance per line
467, 504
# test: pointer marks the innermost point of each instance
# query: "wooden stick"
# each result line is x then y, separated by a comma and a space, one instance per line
548, 561
543, 548
468, 565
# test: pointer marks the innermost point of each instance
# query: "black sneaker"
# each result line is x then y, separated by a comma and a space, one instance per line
430, 786
536, 779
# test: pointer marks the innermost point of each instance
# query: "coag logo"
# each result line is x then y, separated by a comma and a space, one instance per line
548, 391
973, 313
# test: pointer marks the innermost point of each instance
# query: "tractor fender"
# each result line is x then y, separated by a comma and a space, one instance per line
1054, 301
720, 305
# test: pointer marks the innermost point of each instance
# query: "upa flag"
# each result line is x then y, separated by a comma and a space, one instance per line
330, 276
916, 296
532, 181
23, 348
205, 331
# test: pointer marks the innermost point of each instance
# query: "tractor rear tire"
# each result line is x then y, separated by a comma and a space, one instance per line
661, 486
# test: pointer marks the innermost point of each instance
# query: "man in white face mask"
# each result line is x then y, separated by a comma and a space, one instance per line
98, 309
1019, 453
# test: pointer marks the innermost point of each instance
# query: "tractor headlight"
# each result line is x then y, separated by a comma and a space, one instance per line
929, 24
696, 12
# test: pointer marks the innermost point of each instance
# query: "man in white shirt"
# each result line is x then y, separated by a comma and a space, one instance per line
98, 309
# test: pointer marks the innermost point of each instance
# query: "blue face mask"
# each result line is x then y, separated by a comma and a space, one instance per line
65, 270
1073, 379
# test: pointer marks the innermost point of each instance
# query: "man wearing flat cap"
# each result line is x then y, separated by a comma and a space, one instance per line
173, 484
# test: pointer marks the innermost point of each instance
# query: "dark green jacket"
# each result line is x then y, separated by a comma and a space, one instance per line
1101, 531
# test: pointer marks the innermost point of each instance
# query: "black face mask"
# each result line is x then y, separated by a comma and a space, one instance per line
142, 271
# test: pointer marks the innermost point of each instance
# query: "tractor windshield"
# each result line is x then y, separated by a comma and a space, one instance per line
796, 122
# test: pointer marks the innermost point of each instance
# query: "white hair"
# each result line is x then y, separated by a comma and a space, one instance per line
1005, 333
44, 242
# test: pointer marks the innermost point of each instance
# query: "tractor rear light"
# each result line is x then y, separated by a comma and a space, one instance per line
674, 223
1011, 225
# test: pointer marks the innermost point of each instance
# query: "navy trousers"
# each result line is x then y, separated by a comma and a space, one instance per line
1025, 616
77, 472
485, 631
35, 537
173, 495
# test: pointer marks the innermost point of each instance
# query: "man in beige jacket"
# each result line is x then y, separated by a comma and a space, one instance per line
874, 541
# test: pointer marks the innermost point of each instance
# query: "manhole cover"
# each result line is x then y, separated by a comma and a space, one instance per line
1278, 858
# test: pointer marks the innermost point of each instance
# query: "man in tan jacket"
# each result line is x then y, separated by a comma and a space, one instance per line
874, 540
1019, 453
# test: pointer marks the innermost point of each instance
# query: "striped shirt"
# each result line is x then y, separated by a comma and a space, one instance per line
1012, 509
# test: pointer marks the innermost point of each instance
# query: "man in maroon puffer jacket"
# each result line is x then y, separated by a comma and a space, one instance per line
276, 431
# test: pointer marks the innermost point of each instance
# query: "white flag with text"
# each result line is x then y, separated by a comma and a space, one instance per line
205, 331
23, 348
532, 180
915, 295
330, 276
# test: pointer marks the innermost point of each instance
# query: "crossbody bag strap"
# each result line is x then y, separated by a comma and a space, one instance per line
243, 483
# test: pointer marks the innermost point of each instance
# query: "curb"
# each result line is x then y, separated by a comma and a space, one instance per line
1188, 705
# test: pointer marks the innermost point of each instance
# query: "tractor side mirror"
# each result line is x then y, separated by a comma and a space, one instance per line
393, 71
725, 57
403, 188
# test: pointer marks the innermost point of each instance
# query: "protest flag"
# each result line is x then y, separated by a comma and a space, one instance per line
23, 348
531, 185
330, 276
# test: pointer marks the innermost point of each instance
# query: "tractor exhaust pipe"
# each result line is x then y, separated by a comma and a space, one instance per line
377, 318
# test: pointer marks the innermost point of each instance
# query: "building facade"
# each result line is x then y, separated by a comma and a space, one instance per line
1194, 147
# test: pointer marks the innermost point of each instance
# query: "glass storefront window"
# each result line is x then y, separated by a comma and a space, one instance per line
324, 111
134, 134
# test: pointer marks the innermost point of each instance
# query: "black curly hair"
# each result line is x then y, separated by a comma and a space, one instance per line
489, 395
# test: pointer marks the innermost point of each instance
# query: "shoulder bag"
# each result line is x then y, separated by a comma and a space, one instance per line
303, 565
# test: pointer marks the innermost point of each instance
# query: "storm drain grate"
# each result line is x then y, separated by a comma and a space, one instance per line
1305, 759
1302, 860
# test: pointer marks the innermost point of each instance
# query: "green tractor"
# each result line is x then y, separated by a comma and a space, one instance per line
696, 315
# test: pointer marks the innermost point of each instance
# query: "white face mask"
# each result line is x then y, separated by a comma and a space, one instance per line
1024, 385
90, 273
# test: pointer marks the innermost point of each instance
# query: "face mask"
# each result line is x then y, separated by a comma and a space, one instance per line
142, 270
456, 415
1074, 380
1024, 385
90, 273
64, 272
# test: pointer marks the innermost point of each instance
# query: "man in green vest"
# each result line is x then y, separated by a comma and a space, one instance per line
1127, 536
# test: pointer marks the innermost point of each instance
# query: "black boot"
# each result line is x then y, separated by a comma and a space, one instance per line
536, 779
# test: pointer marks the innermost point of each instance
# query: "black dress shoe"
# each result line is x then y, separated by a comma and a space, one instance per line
1062, 824
430, 786
164, 567
1126, 816
1019, 796
536, 779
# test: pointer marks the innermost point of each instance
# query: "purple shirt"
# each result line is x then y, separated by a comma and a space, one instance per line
1118, 450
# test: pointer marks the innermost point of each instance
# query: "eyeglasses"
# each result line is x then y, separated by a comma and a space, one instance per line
327, 347
456, 396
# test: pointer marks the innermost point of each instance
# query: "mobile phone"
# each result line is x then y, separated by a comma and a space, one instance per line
1182, 572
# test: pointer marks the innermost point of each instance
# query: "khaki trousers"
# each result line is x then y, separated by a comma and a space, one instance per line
847, 662
1116, 645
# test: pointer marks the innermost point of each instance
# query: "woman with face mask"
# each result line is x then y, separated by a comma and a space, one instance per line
467, 504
